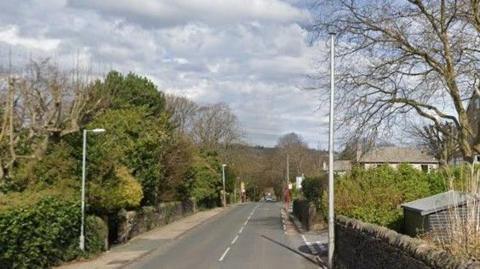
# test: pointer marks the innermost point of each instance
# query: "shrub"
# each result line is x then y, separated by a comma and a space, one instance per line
312, 188
121, 191
375, 195
45, 234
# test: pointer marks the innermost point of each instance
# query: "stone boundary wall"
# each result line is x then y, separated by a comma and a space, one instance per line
362, 245
135, 222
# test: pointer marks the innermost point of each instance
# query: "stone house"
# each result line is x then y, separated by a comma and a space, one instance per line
435, 213
394, 156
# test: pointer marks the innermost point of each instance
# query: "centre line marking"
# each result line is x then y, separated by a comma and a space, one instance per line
241, 230
224, 253
246, 222
234, 240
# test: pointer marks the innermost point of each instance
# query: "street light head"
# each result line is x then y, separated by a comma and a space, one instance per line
98, 130
223, 165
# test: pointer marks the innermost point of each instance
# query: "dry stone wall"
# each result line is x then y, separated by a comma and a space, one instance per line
135, 222
362, 245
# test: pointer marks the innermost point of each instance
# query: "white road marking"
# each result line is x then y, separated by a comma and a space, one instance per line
224, 253
309, 245
234, 239
239, 232
304, 239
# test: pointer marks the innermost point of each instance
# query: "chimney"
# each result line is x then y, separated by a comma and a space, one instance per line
358, 152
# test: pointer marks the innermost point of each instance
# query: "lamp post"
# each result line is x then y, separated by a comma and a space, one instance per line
84, 159
331, 208
223, 181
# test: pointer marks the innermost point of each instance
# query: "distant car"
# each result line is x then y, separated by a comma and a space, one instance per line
269, 198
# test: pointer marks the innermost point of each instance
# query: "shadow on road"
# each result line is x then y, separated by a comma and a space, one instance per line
270, 222
291, 249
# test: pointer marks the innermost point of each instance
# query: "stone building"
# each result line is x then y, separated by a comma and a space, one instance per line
394, 156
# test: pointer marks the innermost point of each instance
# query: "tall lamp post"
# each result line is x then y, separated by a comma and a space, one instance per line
84, 160
223, 181
331, 208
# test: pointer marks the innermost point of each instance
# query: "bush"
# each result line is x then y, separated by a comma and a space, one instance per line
121, 191
45, 234
375, 195
312, 188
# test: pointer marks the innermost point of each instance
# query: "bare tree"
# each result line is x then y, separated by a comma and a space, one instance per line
182, 111
442, 145
409, 57
42, 105
295, 147
215, 126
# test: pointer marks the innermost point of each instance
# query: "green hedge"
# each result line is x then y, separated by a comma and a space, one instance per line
46, 234
375, 195
312, 189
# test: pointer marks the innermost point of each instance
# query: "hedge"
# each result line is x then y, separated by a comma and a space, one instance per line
46, 234
374, 195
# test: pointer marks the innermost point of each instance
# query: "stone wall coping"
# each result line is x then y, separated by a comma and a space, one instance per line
422, 250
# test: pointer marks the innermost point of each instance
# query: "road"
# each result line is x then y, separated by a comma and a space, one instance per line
250, 235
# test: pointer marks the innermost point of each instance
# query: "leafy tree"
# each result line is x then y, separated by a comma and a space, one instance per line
206, 179
177, 162
134, 139
131, 91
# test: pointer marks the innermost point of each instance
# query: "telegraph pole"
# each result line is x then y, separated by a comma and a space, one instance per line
223, 183
288, 169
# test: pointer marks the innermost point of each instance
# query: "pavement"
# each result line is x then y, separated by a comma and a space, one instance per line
249, 235
121, 255
316, 241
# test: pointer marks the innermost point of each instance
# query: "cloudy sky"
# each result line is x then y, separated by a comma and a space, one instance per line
254, 55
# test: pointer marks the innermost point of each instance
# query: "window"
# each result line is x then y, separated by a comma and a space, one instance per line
424, 167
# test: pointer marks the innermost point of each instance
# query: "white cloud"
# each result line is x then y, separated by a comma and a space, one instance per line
250, 54
10, 35
167, 13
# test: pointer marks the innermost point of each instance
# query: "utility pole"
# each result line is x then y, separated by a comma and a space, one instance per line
223, 181
235, 193
84, 173
288, 169
331, 208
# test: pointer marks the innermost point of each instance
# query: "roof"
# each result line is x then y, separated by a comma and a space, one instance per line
438, 202
397, 155
339, 165
342, 165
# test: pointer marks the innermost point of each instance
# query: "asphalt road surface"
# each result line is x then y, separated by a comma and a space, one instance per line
250, 235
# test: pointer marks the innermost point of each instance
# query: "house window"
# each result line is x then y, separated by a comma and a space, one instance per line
424, 167
476, 159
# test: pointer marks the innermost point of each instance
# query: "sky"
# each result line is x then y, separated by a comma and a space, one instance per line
254, 55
